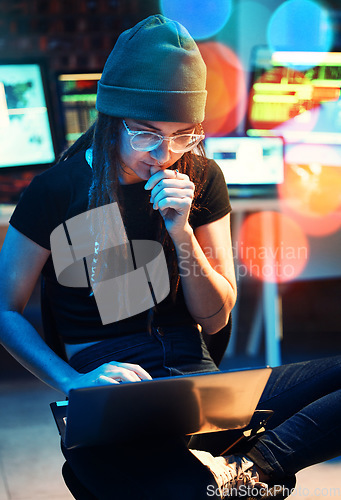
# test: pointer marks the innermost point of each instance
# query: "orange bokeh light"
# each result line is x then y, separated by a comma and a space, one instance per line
272, 247
316, 226
313, 193
226, 87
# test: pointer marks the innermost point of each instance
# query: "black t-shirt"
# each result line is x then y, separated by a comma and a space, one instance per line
61, 193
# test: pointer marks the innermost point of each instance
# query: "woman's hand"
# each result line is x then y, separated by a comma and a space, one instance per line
172, 194
111, 373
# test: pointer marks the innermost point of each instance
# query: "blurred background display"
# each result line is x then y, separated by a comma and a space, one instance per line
77, 92
26, 136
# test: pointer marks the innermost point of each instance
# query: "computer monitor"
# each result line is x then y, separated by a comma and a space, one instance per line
26, 127
295, 95
252, 166
77, 94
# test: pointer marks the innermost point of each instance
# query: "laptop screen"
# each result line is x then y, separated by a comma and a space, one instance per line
251, 166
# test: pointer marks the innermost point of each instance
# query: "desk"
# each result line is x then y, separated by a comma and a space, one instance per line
5, 214
323, 262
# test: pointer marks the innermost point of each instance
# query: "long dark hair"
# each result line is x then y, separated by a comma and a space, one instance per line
103, 138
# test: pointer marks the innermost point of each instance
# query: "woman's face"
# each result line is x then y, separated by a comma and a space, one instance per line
140, 165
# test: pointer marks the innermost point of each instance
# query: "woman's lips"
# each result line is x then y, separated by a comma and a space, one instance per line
154, 168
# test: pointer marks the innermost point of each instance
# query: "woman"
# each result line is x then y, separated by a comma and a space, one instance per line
143, 156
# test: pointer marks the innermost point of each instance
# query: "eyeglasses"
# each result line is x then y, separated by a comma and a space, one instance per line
147, 141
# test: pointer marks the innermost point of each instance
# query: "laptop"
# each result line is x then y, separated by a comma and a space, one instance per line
181, 405
253, 167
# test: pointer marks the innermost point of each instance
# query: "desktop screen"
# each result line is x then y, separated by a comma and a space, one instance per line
77, 93
295, 95
25, 127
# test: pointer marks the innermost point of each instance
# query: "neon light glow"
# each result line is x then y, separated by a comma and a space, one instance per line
78, 77
298, 104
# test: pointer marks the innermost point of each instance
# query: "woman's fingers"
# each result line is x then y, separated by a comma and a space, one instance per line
170, 186
95, 377
125, 372
175, 182
164, 174
119, 373
180, 205
171, 193
143, 374
112, 373
168, 179
103, 380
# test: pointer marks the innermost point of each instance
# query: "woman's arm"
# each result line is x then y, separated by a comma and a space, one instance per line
205, 262
21, 261
205, 258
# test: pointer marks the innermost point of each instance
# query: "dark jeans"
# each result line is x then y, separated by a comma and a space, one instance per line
167, 351
305, 428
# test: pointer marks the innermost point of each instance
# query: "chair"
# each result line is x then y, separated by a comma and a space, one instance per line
216, 345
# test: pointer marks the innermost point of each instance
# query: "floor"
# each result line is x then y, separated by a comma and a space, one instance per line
30, 460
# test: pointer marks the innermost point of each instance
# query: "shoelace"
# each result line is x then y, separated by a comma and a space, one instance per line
230, 472
235, 472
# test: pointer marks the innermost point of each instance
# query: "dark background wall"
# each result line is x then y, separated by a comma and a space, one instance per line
74, 34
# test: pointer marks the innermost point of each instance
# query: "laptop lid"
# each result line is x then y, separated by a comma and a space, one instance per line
189, 404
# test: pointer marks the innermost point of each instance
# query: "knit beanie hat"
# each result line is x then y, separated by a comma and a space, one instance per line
154, 72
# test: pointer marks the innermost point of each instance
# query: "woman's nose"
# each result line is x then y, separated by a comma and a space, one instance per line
162, 153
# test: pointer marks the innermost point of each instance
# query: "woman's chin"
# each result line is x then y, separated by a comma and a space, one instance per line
130, 176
